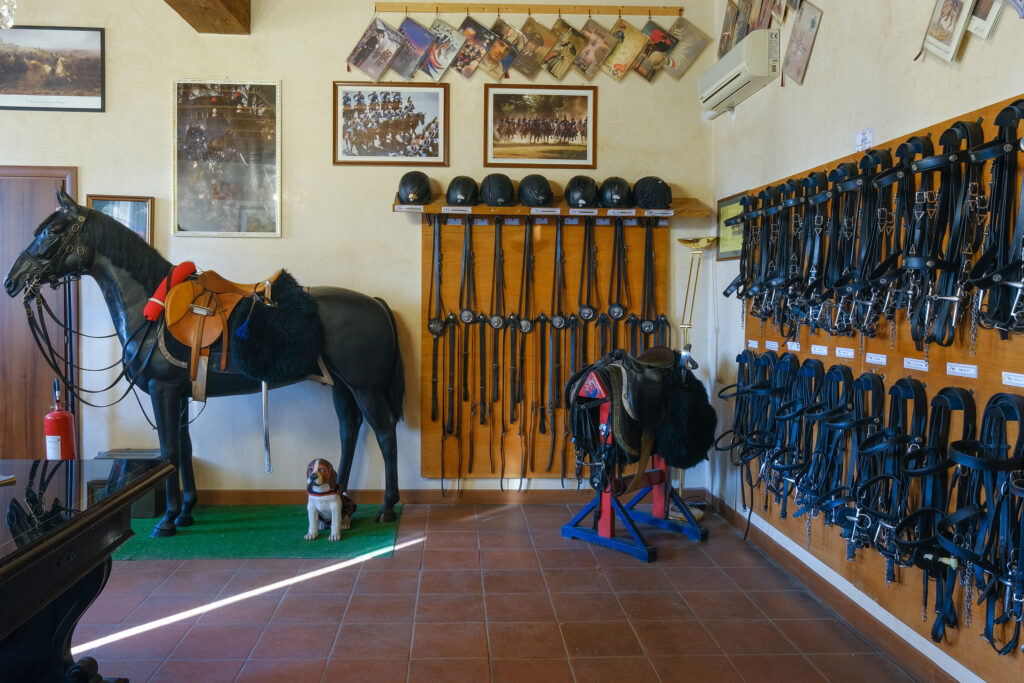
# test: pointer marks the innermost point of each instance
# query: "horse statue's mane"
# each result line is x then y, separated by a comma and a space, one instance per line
124, 248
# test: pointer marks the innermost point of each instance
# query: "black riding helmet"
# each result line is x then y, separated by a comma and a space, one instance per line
535, 190
462, 191
652, 192
615, 193
497, 190
581, 191
414, 188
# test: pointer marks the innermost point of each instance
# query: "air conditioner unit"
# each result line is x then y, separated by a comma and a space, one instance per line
747, 68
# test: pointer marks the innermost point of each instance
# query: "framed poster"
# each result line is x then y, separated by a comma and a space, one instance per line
227, 158
543, 126
135, 213
52, 68
984, 17
805, 28
730, 237
397, 124
947, 27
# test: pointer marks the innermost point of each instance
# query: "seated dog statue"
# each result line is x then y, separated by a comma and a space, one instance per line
327, 505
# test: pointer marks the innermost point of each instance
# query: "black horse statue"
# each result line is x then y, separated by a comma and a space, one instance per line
358, 346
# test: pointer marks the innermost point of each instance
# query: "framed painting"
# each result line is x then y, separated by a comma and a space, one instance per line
542, 126
135, 213
227, 158
395, 124
52, 68
730, 237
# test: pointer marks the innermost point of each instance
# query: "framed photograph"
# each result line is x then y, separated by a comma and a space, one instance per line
52, 68
133, 212
805, 28
947, 27
544, 126
984, 17
397, 124
227, 158
730, 237
725, 40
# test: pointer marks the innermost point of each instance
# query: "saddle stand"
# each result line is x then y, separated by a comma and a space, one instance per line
606, 507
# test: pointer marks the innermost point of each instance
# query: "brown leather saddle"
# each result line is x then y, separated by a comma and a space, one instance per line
197, 312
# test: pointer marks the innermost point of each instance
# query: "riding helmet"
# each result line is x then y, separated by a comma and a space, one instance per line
535, 190
651, 192
581, 191
497, 190
414, 188
462, 191
615, 193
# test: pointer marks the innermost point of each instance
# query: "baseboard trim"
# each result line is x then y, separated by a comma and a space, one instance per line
417, 497
910, 658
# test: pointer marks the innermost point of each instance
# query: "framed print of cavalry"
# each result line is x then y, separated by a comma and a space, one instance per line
52, 67
135, 213
396, 124
227, 159
540, 126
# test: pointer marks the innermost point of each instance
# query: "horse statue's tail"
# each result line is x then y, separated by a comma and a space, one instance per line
396, 386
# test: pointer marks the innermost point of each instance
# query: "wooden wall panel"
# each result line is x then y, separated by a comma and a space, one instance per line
903, 598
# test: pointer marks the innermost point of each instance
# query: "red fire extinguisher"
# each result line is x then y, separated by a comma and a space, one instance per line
59, 429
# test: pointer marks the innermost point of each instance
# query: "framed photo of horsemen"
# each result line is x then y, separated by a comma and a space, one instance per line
227, 158
52, 68
549, 126
398, 124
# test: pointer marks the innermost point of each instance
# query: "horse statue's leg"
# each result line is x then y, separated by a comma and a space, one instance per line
168, 405
382, 420
188, 475
350, 418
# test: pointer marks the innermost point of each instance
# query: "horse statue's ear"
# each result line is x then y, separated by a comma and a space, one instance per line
65, 201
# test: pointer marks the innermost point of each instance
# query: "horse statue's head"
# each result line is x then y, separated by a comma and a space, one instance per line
56, 251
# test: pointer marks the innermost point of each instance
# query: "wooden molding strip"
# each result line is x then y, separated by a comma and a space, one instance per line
900, 650
475, 8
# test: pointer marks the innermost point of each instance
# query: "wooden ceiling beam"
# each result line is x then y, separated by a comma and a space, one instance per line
215, 16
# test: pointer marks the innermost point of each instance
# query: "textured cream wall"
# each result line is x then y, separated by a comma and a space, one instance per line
338, 227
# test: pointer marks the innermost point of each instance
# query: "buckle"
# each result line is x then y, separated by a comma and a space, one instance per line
200, 310
883, 533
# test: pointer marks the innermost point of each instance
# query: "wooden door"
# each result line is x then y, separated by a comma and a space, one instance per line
26, 382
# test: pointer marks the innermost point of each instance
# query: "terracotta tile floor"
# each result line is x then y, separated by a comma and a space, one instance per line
484, 593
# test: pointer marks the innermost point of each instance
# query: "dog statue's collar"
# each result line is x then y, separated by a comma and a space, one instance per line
333, 491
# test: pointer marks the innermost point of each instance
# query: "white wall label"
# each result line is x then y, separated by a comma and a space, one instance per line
1013, 379
915, 364
863, 139
793, 346
659, 212
962, 370
662, 223
844, 352
409, 208
570, 221
512, 221
480, 221
876, 358
456, 209
582, 212
631, 222
540, 221
819, 350
752, 343
621, 212
454, 221
773, 345
603, 221
545, 211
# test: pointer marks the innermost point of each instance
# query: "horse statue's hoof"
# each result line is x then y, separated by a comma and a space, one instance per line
183, 520
163, 530
388, 516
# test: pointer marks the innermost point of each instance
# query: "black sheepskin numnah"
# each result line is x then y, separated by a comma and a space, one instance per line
283, 340
688, 430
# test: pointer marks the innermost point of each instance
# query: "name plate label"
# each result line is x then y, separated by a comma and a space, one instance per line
773, 345
582, 212
480, 221
1013, 379
752, 343
631, 221
659, 212
876, 358
843, 352
915, 364
962, 370
663, 223
545, 211
456, 209
819, 350
540, 221
453, 221
409, 208
621, 212
793, 346
512, 221
603, 221
571, 221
